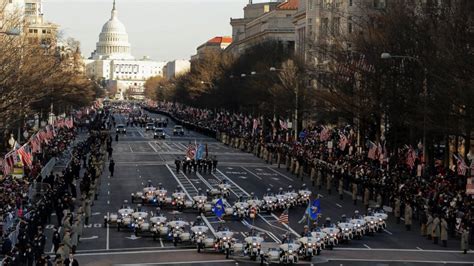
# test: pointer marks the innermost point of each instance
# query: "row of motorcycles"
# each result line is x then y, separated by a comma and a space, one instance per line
204, 202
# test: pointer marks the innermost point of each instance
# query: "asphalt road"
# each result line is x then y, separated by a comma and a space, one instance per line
140, 158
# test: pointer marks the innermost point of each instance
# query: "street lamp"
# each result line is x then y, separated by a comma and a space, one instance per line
11, 32
386, 55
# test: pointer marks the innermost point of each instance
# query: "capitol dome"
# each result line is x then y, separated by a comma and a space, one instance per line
113, 40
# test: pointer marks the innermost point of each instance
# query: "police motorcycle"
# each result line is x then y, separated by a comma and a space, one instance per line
253, 245
372, 223
199, 235
333, 233
347, 229
269, 201
158, 225
141, 224
359, 225
254, 205
382, 218
222, 190
147, 195
310, 245
304, 195
178, 199
289, 253
225, 242
282, 199
241, 208
121, 218
200, 202
321, 238
160, 195
291, 197
177, 231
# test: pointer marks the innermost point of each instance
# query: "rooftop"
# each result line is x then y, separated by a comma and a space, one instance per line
289, 5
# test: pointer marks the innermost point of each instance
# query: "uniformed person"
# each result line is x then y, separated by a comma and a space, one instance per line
435, 230
56, 239
340, 188
214, 164
444, 232
329, 178
354, 193
177, 162
408, 216
366, 198
396, 209
429, 225
464, 239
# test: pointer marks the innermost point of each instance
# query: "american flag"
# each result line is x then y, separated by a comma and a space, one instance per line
284, 217
342, 141
325, 134
26, 156
411, 157
9, 162
283, 124
191, 152
372, 154
462, 166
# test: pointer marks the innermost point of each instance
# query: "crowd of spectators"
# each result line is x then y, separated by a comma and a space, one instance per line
29, 202
329, 157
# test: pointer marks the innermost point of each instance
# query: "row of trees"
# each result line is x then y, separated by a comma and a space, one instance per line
426, 92
35, 77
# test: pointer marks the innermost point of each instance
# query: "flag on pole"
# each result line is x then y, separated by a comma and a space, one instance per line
200, 152
470, 186
461, 165
25, 155
372, 154
218, 208
342, 141
314, 209
411, 157
191, 152
284, 217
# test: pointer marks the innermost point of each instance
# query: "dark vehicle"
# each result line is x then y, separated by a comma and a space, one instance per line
121, 129
178, 131
149, 126
159, 134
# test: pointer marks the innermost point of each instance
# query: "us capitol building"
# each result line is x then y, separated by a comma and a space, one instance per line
113, 62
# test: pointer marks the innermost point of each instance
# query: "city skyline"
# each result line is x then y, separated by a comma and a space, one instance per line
163, 30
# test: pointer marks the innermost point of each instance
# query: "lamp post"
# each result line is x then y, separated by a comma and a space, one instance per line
297, 91
386, 55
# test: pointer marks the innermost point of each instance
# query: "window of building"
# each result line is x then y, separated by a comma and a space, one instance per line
351, 2
380, 4
336, 26
310, 21
35, 31
327, 3
349, 27
324, 25
311, 4
31, 31
44, 31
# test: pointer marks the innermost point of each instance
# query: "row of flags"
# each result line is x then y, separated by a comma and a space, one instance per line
25, 153
197, 151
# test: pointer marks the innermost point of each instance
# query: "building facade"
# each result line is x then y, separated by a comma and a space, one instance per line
216, 44
175, 68
113, 62
270, 21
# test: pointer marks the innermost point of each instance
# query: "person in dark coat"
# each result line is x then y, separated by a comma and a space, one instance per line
71, 261
56, 239
111, 167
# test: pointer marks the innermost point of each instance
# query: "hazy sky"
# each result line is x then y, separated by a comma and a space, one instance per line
162, 29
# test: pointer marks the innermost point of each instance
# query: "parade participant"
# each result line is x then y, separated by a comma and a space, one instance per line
435, 231
444, 232
71, 261
111, 167
177, 162
408, 216
464, 239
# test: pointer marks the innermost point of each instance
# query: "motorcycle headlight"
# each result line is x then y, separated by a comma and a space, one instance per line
346, 229
290, 251
305, 195
318, 239
200, 233
380, 219
225, 188
200, 201
242, 208
358, 225
177, 227
133, 225
254, 244
224, 238
372, 222
292, 197
310, 244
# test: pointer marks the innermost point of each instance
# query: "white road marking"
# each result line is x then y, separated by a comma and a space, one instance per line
185, 262
252, 173
365, 245
161, 243
167, 146
419, 248
338, 205
402, 250
90, 238
108, 202
141, 133
403, 261
130, 148
284, 176
388, 232
270, 234
108, 235
149, 143
108, 192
